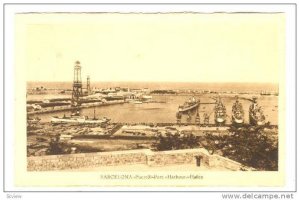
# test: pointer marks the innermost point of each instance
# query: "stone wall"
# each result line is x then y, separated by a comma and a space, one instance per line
216, 160
185, 156
81, 160
144, 156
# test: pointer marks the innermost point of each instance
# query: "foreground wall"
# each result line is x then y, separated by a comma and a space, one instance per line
81, 160
144, 156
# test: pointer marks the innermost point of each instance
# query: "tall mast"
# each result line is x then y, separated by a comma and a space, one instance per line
88, 85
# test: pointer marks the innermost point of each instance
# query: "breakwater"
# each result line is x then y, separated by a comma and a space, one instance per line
69, 108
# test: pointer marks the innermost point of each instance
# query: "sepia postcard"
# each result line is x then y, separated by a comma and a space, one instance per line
150, 99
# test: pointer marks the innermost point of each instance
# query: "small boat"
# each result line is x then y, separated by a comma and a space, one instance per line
178, 115
146, 97
206, 118
220, 112
197, 119
237, 113
265, 93
34, 120
189, 105
33, 107
136, 102
76, 118
256, 115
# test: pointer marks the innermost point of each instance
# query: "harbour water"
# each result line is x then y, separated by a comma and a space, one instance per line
166, 112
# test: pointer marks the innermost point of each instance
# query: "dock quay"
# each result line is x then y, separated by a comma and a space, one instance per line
207, 126
69, 108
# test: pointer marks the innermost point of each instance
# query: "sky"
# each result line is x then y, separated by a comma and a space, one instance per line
174, 47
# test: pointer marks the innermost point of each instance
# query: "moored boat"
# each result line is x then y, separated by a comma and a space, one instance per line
237, 113
136, 102
32, 121
220, 112
146, 97
256, 115
189, 105
76, 118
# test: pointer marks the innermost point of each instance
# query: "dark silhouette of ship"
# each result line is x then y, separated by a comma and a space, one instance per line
189, 105
256, 115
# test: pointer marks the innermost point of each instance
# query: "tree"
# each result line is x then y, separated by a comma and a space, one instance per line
250, 146
175, 141
56, 147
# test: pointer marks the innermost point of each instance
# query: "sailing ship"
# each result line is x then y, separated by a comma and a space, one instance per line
237, 113
256, 115
189, 105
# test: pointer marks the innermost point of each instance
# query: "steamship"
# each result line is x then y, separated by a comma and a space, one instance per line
237, 113
189, 105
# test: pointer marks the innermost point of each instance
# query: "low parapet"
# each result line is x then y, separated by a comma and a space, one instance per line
146, 157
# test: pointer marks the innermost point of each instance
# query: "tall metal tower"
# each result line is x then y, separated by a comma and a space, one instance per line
77, 85
88, 85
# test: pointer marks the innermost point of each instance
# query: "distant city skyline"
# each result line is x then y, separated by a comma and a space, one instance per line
258, 87
155, 47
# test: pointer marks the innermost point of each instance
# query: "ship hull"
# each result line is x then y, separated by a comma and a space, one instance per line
57, 120
255, 122
189, 107
136, 102
220, 121
237, 121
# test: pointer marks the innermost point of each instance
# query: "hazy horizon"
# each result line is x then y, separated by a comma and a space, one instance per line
193, 82
163, 85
